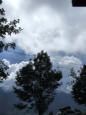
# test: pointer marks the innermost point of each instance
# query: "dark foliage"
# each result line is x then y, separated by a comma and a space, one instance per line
36, 84
51, 113
6, 28
69, 111
79, 3
79, 87
3, 73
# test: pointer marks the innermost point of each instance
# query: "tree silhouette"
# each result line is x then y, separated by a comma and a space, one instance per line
3, 72
37, 83
6, 28
79, 87
69, 111
79, 3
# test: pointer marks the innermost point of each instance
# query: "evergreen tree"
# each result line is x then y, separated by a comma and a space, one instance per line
6, 28
37, 83
69, 111
79, 87
3, 72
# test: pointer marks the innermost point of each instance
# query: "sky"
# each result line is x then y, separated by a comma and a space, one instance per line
52, 26
49, 25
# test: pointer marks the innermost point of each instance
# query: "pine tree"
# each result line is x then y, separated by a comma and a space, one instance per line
79, 87
37, 83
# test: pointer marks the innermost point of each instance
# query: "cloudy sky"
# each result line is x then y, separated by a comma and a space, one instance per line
50, 25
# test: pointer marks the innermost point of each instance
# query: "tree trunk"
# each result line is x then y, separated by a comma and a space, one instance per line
39, 107
40, 113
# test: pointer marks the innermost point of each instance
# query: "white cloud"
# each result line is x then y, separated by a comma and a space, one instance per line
70, 61
13, 68
50, 25
65, 64
14, 3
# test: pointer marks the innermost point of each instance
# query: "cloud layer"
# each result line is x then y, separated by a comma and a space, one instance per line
49, 25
